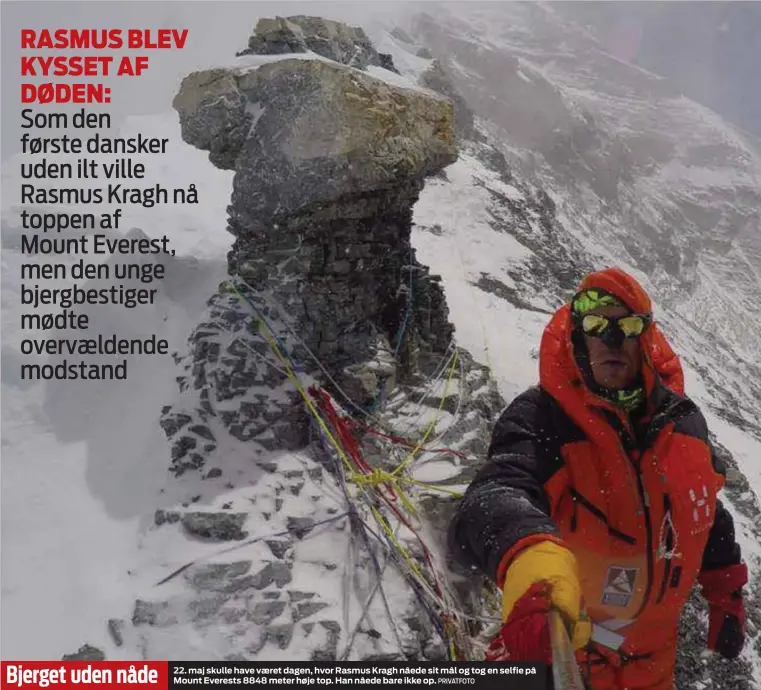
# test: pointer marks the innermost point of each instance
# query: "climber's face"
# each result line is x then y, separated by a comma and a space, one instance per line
614, 360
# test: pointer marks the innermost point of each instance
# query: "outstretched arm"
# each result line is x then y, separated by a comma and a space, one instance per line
503, 528
506, 503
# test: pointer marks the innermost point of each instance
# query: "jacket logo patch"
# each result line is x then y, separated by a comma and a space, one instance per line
700, 503
619, 586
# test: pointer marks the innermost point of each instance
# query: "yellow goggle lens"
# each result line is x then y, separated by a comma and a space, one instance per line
594, 324
631, 326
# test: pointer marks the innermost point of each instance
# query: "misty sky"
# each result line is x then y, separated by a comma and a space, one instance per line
712, 50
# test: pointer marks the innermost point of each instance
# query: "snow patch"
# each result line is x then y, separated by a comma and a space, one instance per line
245, 64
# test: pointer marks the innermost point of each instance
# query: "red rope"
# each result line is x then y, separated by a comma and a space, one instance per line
346, 437
341, 426
405, 442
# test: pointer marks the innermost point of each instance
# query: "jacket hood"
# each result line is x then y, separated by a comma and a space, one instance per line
559, 372
621, 285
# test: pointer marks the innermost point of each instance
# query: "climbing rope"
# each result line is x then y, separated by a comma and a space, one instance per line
259, 316
233, 286
432, 425
388, 489
249, 542
428, 391
380, 492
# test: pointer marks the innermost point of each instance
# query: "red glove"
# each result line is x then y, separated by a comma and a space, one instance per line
525, 635
722, 589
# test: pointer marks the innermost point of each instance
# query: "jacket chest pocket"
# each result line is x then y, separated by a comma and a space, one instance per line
586, 522
592, 507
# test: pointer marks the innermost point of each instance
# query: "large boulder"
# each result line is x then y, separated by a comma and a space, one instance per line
300, 132
329, 161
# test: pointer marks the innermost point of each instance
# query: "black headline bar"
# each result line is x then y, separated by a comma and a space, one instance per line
475, 675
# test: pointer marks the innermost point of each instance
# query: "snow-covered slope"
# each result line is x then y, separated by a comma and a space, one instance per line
637, 169
640, 177
478, 258
83, 462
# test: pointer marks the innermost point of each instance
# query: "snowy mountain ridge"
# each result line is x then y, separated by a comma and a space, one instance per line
639, 174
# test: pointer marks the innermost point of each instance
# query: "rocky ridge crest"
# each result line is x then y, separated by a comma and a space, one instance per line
330, 148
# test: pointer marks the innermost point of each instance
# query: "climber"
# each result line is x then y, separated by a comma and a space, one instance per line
599, 499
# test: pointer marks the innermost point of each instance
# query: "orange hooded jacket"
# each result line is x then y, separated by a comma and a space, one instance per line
638, 507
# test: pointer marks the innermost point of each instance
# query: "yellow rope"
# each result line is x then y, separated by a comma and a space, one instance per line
377, 477
380, 477
435, 487
294, 379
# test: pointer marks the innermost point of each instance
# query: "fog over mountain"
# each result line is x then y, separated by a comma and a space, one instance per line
710, 50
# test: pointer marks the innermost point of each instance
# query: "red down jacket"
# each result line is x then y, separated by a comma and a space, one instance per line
637, 505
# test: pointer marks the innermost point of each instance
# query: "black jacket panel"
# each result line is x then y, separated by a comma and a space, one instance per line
721, 550
506, 500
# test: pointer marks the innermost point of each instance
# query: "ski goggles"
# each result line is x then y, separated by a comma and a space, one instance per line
598, 326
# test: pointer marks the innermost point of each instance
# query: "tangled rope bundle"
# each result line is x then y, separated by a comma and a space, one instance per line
373, 494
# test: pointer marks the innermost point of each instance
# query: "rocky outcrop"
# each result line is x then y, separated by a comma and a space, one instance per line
438, 78
348, 45
328, 163
326, 289
85, 653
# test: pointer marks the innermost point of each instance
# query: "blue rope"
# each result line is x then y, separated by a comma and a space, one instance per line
264, 320
405, 321
378, 400
426, 606
354, 513
248, 542
366, 529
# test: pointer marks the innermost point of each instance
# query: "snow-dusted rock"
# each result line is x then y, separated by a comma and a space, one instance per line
303, 132
348, 45
271, 549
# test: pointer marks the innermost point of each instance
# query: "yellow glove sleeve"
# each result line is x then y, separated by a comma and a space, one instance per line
551, 563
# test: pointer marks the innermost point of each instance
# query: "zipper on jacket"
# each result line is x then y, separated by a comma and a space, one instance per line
669, 547
645, 500
659, 421
579, 499
649, 534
